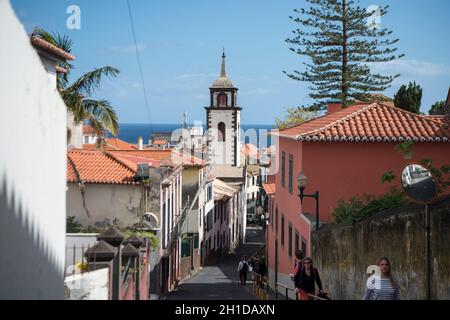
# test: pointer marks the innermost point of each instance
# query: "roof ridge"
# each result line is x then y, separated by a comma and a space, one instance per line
351, 115
299, 124
107, 153
422, 116
84, 150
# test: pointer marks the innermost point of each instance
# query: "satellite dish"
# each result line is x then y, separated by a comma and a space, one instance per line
151, 221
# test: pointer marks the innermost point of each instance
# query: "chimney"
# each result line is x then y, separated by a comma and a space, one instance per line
333, 106
140, 143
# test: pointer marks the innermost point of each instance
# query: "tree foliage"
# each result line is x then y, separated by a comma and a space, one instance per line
409, 97
437, 108
362, 207
99, 113
342, 46
294, 117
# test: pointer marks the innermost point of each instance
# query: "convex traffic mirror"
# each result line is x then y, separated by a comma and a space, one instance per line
419, 184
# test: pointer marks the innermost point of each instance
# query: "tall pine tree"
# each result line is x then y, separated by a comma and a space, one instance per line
335, 35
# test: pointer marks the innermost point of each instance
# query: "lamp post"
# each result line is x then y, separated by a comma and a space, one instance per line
301, 184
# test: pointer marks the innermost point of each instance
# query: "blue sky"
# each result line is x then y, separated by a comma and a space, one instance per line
181, 41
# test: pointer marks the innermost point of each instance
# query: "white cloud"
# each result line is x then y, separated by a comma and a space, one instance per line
412, 68
188, 76
128, 48
257, 92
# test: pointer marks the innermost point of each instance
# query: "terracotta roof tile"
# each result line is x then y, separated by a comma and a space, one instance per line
47, 46
98, 167
111, 144
250, 149
117, 144
372, 123
87, 129
155, 154
158, 157
160, 142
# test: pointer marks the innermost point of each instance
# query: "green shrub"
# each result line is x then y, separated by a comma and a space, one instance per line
142, 234
359, 208
73, 226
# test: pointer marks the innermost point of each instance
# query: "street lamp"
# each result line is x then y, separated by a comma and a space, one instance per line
301, 184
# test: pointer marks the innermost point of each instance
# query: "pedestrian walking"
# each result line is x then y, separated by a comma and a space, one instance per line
262, 269
243, 269
309, 277
384, 286
297, 269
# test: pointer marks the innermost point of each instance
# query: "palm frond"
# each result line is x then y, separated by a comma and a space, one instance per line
101, 111
90, 81
74, 102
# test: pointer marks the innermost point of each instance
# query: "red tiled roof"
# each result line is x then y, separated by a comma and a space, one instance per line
158, 157
160, 142
90, 147
441, 119
111, 144
269, 188
372, 123
98, 167
88, 129
154, 154
47, 46
250, 150
132, 161
117, 144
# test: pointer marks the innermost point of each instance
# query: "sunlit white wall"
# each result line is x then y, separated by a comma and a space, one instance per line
33, 122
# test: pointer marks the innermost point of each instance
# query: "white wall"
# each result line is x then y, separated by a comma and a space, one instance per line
93, 285
105, 203
223, 152
32, 170
91, 138
76, 137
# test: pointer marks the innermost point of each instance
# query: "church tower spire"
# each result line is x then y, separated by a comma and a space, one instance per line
223, 71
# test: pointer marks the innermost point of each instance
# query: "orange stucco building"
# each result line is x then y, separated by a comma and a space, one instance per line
343, 154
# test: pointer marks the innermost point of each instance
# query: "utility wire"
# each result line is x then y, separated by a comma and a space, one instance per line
147, 105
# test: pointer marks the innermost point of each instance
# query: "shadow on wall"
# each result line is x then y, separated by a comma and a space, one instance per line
28, 270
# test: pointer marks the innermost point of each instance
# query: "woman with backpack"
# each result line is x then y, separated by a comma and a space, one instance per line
308, 278
243, 269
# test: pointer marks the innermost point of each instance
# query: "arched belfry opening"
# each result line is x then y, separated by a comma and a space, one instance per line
222, 100
221, 130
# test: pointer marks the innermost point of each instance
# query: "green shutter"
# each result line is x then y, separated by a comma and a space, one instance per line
185, 248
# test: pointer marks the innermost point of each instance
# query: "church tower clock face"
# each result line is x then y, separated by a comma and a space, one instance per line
223, 121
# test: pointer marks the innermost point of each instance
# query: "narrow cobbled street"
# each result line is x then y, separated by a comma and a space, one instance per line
221, 281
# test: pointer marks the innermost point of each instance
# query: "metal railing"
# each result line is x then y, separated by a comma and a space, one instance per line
260, 286
76, 261
287, 289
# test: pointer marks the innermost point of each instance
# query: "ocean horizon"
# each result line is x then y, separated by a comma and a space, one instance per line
130, 132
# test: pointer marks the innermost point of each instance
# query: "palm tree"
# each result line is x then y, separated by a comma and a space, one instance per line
99, 113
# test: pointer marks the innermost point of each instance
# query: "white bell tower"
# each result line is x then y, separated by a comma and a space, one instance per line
223, 121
